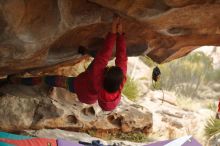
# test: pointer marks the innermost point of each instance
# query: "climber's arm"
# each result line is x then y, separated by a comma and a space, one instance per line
121, 53
103, 55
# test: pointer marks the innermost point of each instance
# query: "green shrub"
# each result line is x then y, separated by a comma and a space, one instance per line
212, 127
130, 89
190, 69
134, 136
212, 106
155, 85
214, 76
185, 75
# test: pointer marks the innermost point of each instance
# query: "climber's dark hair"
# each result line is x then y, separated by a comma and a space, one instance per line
113, 78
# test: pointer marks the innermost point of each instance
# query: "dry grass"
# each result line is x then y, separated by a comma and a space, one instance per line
188, 103
130, 89
212, 127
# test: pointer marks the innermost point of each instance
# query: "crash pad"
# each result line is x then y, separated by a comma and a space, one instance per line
61, 142
5, 144
13, 136
31, 142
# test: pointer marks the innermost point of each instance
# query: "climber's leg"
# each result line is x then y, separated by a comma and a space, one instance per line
3, 82
24, 81
60, 81
52, 81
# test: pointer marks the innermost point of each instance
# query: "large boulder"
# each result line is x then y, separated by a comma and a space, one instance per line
38, 33
25, 107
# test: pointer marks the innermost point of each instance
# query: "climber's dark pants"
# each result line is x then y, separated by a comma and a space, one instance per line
53, 81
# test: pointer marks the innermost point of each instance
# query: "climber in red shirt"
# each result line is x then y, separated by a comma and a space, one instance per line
99, 82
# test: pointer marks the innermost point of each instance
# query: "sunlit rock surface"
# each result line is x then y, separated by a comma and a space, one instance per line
39, 33
30, 108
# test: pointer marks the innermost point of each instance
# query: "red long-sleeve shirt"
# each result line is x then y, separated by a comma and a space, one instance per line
88, 85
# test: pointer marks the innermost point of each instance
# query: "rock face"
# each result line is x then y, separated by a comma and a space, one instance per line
38, 33
26, 107
28, 110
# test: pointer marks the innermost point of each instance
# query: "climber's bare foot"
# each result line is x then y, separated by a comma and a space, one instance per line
115, 22
82, 50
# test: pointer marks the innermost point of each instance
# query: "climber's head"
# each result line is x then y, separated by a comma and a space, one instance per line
113, 78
